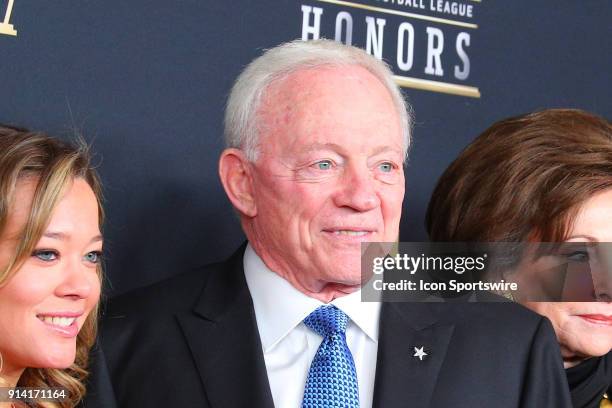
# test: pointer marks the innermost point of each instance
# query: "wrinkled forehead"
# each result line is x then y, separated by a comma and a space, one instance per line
328, 100
307, 84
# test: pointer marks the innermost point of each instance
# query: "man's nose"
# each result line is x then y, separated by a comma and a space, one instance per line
357, 190
77, 282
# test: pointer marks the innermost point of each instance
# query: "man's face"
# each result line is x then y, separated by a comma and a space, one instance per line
329, 175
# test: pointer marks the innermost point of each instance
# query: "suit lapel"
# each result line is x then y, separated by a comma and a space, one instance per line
402, 379
224, 341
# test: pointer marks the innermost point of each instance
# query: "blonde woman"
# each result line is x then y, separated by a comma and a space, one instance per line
50, 250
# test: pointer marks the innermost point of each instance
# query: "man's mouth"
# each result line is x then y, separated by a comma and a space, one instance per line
351, 233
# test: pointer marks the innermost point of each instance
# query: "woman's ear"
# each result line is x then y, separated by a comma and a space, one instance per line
237, 179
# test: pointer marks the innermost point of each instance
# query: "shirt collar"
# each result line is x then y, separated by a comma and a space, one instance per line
363, 314
279, 307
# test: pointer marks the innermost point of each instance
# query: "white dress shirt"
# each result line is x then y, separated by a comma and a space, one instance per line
289, 346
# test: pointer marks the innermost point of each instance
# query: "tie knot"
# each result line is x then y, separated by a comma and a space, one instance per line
327, 320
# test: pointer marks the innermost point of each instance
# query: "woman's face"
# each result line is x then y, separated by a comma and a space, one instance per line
584, 329
45, 303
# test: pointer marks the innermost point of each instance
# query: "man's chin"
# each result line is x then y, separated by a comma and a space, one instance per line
339, 278
345, 289
344, 269
348, 241
335, 290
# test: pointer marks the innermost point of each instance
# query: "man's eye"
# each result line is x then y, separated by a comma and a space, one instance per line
94, 257
323, 165
46, 255
385, 167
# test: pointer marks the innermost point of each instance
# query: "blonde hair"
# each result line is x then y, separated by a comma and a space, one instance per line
54, 164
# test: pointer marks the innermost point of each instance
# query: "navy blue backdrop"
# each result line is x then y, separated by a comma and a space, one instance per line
146, 83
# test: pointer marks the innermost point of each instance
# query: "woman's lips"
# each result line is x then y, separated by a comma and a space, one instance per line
65, 325
597, 319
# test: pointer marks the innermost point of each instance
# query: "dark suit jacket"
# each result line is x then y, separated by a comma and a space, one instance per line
192, 341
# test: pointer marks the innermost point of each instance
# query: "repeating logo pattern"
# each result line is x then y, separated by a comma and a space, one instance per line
332, 379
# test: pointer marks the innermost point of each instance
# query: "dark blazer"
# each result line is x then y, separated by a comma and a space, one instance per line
589, 380
192, 341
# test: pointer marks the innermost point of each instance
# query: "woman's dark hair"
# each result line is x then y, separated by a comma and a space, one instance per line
524, 178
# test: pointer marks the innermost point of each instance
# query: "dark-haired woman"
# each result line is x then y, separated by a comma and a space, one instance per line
542, 177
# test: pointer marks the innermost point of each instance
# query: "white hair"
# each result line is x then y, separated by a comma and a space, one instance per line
241, 127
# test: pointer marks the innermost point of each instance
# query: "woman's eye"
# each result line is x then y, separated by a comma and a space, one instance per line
46, 255
386, 167
94, 257
578, 256
323, 165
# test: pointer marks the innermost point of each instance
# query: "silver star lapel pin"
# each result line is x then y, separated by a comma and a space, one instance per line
419, 352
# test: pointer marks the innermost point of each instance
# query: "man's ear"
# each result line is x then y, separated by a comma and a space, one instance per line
237, 179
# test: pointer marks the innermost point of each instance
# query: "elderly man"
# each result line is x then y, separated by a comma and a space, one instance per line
317, 134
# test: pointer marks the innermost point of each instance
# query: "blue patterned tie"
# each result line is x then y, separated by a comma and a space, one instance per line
332, 379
